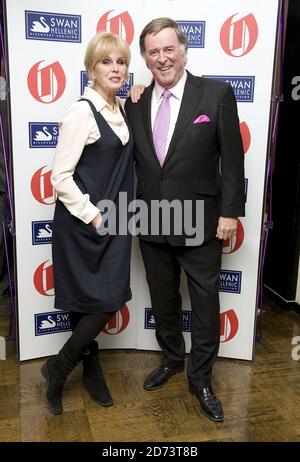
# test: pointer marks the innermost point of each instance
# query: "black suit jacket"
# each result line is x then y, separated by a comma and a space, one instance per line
205, 161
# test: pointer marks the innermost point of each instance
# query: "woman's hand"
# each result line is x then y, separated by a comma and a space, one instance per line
96, 222
135, 92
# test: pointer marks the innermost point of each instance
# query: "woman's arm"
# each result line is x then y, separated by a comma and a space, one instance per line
73, 134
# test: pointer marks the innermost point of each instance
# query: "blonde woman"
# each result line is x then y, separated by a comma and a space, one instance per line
93, 161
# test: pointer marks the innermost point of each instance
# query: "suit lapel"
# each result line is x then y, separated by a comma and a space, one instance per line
190, 100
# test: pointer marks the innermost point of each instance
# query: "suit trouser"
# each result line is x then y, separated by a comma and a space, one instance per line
202, 266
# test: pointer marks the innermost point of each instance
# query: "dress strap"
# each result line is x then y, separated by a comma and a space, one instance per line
122, 110
91, 106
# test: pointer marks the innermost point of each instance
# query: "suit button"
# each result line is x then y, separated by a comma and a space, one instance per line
163, 178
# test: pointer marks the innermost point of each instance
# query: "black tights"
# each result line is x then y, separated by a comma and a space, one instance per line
86, 327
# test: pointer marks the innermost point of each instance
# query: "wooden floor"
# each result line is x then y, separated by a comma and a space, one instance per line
261, 399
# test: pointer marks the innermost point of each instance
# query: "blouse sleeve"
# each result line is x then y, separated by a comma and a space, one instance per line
74, 131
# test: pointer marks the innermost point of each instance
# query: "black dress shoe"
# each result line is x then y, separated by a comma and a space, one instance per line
209, 403
160, 376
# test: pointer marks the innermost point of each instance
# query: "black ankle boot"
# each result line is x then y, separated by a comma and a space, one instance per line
56, 371
93, 378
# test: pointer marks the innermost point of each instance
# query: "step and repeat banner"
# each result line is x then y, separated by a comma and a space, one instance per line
229, 40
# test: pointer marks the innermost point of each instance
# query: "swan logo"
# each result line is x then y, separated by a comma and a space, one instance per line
41, 232
246, 136
119, 322
43, 279
46, 83
238, 35
52, 322
186, 320
229, 325
243, 87
194, 31
43, 134
122, 93
230, 281
232, 244
41, 187
53, 26
119, 24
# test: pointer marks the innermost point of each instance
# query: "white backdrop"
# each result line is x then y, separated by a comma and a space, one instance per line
233, 40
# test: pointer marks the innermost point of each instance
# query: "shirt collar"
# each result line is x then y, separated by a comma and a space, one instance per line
95, 98
176, 91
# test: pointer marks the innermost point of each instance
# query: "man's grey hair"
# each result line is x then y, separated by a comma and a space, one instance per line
158, 24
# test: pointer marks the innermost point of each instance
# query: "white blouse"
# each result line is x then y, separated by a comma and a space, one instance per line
77, 129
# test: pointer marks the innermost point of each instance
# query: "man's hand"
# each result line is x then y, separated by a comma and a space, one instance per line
135, 92
226, 228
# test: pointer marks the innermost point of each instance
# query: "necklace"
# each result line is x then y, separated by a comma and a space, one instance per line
113, 105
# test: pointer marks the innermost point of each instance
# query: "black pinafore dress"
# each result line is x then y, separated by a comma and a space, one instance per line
92, 272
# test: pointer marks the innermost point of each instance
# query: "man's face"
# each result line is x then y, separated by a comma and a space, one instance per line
165, 57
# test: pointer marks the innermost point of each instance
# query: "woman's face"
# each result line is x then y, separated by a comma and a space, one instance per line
110, 73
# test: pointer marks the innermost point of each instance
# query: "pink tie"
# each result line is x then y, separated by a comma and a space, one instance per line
161, 127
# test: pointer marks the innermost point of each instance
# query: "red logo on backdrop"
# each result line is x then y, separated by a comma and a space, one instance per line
46, 83
232, 244
229, 325
43, 279
120, 24
246, 136
118, 323
42, 188
238, 37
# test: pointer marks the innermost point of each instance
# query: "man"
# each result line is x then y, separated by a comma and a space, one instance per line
201, 162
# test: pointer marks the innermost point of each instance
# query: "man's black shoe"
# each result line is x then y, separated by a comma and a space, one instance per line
209, 403
160, 376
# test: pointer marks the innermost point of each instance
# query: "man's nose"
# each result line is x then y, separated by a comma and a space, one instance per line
162, 57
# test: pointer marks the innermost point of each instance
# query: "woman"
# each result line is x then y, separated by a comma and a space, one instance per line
93, 161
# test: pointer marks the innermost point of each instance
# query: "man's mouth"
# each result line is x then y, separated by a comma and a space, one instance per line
165, 69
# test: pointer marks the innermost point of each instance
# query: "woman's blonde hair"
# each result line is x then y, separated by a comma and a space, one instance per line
100, 46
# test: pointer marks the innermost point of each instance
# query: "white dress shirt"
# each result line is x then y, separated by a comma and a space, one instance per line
175, 102
78, 128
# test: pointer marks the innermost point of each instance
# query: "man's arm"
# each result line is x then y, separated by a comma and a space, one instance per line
232, 166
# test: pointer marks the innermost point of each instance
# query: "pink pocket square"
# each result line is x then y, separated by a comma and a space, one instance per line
201, 118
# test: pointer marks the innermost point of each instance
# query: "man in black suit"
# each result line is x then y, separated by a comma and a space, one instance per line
202, 163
